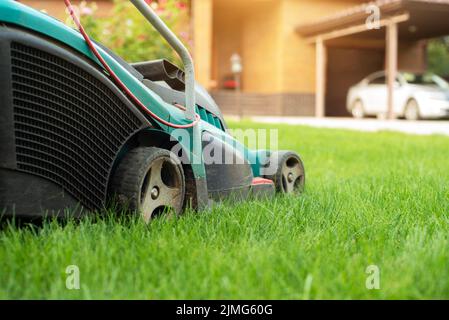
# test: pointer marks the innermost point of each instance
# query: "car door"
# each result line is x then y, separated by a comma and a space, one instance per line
402, 93
375, 100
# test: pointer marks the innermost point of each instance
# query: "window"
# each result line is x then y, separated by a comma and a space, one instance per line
378, 80
426, 79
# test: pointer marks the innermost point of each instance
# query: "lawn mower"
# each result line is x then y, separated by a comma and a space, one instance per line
80, 127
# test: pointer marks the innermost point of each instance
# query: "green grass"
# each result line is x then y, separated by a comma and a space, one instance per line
371, 199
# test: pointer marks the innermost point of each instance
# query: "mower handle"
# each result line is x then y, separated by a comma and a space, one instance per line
180, 49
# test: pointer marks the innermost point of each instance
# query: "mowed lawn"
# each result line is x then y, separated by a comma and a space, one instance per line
371, 199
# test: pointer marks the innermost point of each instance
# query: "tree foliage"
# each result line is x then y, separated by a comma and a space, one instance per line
438, 56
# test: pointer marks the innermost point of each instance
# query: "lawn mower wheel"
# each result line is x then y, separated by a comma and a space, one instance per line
150, 181
290, 174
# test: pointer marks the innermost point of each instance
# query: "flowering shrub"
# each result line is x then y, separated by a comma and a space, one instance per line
127, 33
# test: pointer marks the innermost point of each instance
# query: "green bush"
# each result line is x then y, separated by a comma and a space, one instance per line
438, 56
128, 34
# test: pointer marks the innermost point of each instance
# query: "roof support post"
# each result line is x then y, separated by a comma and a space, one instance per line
392, 65
320, 91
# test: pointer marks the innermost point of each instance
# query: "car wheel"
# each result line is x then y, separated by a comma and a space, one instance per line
150, 181
411, 111
290, 175
358, 110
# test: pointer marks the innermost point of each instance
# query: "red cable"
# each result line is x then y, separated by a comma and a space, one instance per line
117, 80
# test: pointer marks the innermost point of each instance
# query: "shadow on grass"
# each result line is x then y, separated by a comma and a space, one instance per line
110, 215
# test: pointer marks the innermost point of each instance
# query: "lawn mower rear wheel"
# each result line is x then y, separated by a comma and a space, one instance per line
290, 175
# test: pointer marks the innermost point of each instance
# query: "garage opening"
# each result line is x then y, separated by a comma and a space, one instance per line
345, 68
348, 48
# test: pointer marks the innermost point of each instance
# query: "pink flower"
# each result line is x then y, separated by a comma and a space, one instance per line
86, 11
181, 5
184, 35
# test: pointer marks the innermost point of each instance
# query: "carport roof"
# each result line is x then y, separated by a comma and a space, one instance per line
425, 19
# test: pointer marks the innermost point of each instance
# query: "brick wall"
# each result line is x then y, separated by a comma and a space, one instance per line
257, 104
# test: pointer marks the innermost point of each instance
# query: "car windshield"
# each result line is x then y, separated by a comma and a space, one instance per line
428, 79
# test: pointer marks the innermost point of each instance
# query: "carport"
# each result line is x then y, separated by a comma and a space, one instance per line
385, 34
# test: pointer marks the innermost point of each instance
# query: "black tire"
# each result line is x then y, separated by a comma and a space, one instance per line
290, 176
149, 180
411, 111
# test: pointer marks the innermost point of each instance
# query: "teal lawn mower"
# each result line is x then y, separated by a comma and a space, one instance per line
80, 127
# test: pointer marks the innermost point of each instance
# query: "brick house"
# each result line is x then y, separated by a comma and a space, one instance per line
301, 56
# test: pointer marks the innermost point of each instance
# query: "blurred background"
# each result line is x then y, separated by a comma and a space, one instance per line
292, 58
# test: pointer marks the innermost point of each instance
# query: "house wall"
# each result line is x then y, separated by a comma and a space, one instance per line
412, 56
278, 65
202, 27
261, 48
227, 28
298, 56
276, 59
252, 32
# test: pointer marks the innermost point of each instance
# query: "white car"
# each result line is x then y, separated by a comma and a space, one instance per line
416, 96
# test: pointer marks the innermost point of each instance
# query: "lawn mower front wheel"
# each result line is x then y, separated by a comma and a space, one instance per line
150, 181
